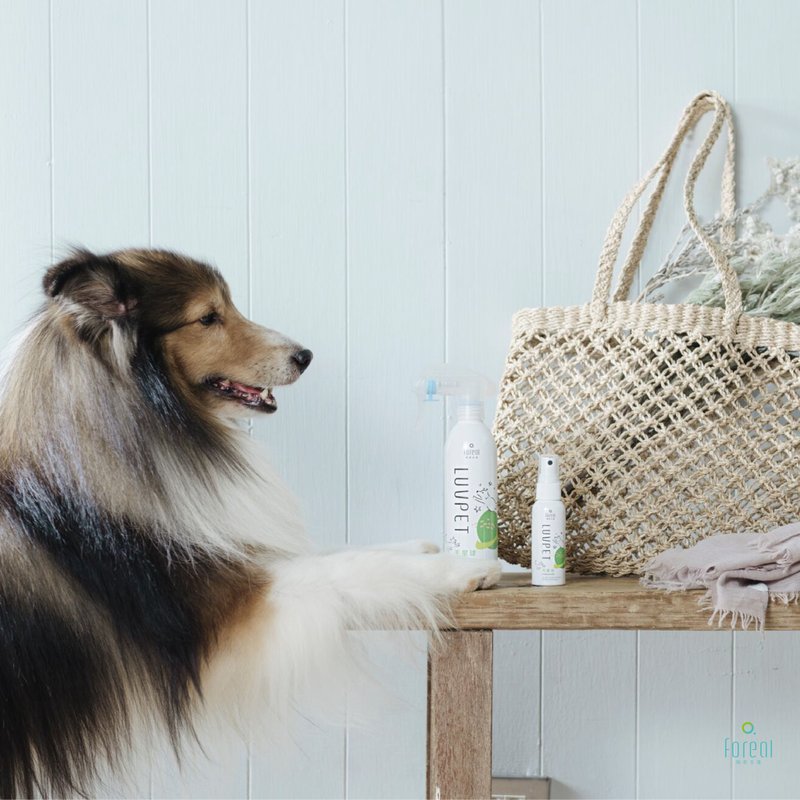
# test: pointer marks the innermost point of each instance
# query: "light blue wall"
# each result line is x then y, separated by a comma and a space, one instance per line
387, 181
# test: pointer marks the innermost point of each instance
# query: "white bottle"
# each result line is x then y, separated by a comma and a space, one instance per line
470, 485
548, 527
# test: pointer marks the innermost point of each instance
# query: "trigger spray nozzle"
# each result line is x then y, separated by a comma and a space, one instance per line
468, 389
430, 391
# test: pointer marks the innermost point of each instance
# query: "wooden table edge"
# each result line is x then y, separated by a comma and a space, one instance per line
597, 603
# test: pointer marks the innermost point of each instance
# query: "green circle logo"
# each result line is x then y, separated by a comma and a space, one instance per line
748, 727
487, 531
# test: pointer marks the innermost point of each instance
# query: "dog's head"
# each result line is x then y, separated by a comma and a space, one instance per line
144, 303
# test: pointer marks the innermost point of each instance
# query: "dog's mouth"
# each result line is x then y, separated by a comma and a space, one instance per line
251, 396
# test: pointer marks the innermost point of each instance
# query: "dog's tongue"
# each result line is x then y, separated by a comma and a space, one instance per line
244, 388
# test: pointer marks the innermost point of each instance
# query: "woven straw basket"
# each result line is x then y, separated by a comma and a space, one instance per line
673, 422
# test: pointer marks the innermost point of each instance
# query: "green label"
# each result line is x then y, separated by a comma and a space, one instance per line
560, 557
487, 531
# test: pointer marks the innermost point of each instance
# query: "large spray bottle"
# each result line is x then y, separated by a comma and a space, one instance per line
470, 463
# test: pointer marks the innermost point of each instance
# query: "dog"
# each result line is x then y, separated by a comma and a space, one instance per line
152, 564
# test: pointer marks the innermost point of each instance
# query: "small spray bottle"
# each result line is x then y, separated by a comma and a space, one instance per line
470, 463
548, 526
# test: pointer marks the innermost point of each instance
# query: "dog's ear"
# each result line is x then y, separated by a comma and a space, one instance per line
98, 284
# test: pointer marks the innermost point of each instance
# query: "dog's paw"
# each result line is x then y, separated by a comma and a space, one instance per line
413, 546
422, 546
467, 575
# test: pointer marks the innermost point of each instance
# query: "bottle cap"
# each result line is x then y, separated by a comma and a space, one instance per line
548, 485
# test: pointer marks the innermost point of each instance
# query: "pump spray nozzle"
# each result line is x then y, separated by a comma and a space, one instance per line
548, 484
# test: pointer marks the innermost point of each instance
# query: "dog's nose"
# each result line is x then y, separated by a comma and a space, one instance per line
302, 358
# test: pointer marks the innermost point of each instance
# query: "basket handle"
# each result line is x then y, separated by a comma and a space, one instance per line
699, 106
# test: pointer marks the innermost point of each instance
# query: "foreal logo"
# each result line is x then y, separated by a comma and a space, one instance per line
470, 451
749, 750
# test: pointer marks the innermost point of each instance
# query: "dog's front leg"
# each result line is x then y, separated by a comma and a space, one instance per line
379, 588
313, 601
290, 643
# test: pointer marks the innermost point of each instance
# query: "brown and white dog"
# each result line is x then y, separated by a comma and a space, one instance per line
150, 563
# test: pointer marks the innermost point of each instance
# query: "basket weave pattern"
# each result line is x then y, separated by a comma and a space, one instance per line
673, 422
664, 436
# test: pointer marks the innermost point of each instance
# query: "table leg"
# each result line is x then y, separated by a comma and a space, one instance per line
460, 716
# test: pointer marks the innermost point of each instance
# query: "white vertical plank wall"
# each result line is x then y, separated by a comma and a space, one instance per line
298, 282
493, 234
676, 61
588, 680
387, 181
768, 108
100, 132
100, 144
25, 158
199, 204
395, 301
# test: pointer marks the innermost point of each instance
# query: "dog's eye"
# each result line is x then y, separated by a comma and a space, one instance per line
209, 319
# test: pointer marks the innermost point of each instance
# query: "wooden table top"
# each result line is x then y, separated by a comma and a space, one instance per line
596, 602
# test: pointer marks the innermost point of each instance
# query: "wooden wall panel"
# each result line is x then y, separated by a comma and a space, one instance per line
493, 249
768, 112
395, 247
588, 681
298, 281
25, 159
681, 675
199, 204
388, 181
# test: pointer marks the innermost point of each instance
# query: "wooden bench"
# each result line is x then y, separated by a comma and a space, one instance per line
460, 668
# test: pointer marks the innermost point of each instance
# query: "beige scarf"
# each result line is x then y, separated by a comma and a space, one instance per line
741, 572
